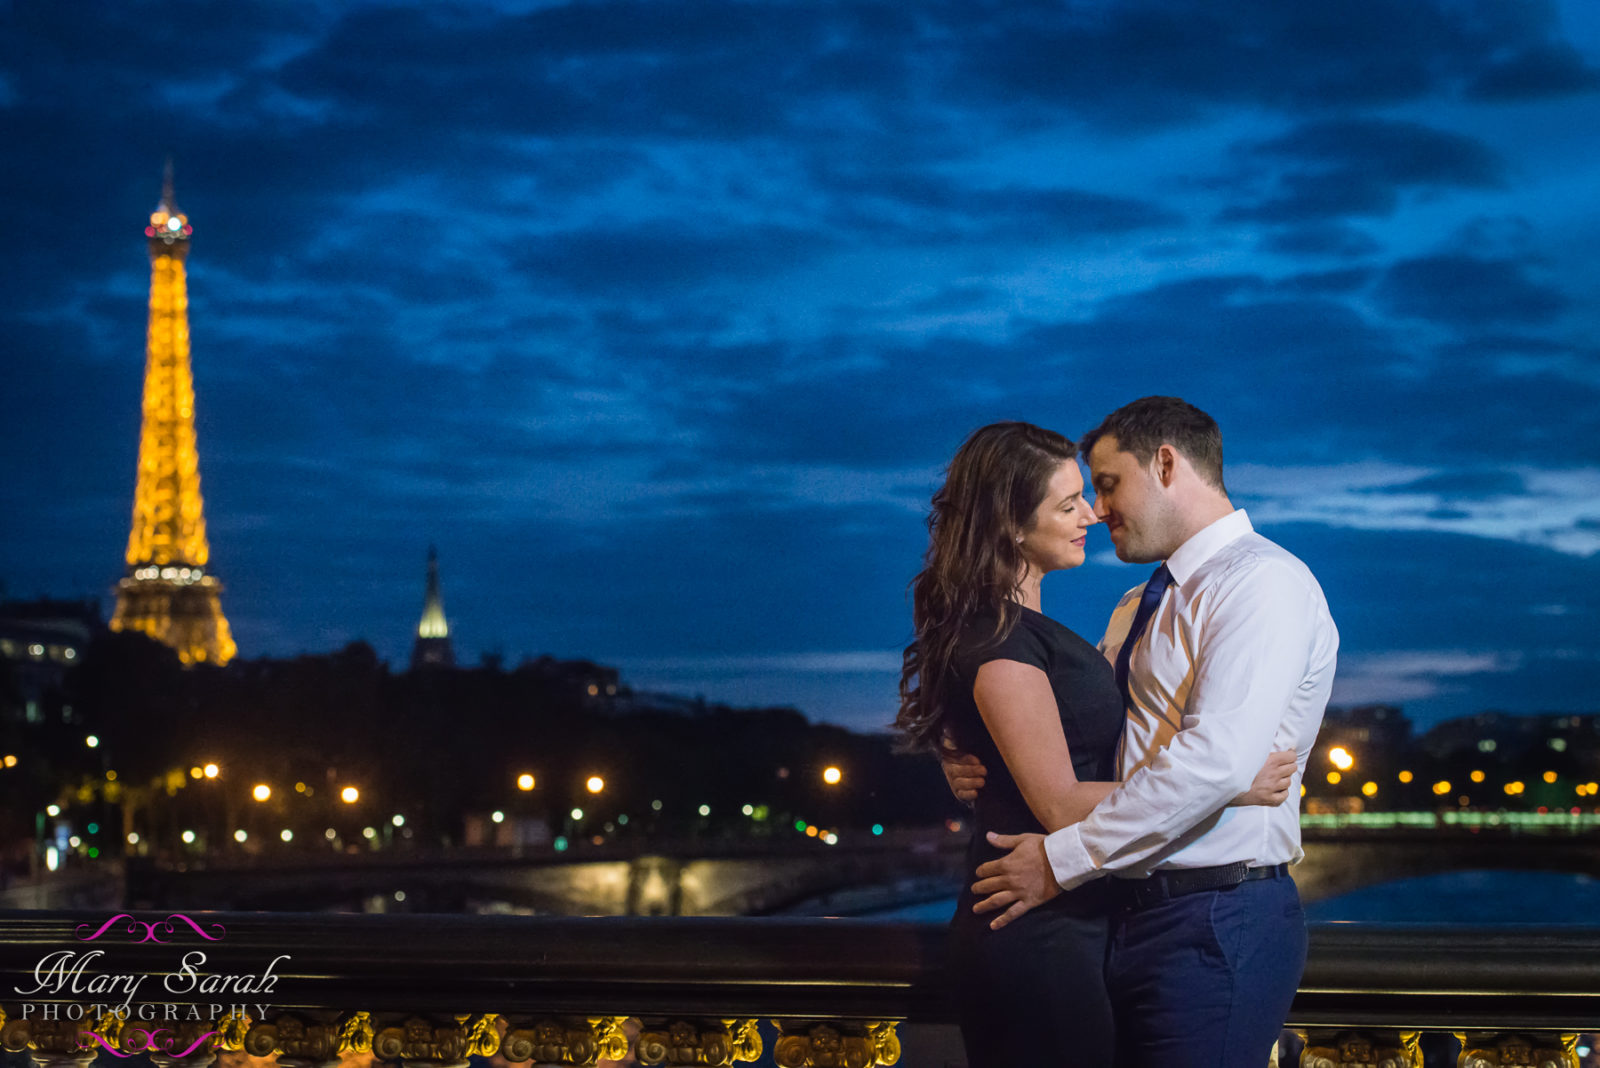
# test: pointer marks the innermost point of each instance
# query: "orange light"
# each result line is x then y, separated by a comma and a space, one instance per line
1333, 778
832, 775
261, 792
595, 784
1442, 787
349, 795
524, 781
1340, 758
1549, 776
1406, 776
1370, 789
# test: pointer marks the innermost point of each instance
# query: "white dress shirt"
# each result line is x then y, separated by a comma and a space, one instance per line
1236, 662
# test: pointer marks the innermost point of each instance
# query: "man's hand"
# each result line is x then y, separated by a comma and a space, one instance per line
963, 771
1272, 781
1017, 882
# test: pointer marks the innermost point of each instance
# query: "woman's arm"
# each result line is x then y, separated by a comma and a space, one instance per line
1019, 709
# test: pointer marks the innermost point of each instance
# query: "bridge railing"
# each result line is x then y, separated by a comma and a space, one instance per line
309, 989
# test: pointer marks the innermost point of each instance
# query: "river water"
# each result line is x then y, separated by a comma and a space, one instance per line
1459, 897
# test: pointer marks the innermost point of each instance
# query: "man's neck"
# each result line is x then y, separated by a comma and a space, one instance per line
1204, 511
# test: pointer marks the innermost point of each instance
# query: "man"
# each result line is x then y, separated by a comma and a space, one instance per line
1224, 656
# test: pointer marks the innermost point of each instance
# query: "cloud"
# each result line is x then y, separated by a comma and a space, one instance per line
1540, 70
1336, 168
1464, 291
1410, 675
1552, 509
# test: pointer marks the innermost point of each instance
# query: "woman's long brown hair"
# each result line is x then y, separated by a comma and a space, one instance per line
973, 565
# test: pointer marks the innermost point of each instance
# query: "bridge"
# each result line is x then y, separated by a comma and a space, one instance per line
753, 879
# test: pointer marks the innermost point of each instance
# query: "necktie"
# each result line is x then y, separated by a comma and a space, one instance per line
1147, 607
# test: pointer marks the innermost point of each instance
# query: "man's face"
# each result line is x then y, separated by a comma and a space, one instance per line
1130, 501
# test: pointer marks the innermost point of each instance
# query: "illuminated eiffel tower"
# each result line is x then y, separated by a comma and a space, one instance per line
167, 592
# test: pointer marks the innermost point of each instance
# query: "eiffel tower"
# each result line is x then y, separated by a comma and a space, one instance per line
168, 593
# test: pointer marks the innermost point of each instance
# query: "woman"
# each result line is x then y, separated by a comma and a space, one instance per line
990, 674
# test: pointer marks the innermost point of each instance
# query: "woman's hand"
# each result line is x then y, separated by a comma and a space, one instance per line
1273, 781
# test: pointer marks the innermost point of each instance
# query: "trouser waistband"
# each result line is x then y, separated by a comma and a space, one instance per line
1165, 885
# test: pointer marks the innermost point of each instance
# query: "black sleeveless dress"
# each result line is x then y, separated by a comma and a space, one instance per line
1033, 992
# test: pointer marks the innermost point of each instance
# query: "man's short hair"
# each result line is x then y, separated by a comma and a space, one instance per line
1143, 426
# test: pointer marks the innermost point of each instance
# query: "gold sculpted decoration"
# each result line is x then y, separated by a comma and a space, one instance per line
1362, 1049
835, 1046
232, 1030
355, 1033
294, 1037
685, 1043
1518, 1051
577, 1041
419, 1040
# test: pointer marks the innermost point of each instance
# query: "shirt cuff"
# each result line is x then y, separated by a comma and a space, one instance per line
1070, 861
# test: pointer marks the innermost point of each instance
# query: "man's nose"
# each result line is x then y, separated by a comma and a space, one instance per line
1101, 511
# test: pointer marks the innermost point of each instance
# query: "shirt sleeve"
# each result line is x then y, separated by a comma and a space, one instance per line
1253, 652
1023, 644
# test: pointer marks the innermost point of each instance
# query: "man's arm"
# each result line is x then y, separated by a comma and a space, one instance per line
1253, 654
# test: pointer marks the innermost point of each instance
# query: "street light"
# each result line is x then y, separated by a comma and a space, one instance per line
261, 792
832, 775
524, 782
349, 795
595, 784
210, 771
1340, 758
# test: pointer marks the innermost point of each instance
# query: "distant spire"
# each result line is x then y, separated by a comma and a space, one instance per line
169, 202
432, 648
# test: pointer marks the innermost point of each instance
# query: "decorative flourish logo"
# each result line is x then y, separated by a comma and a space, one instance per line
148, 1043
166, 927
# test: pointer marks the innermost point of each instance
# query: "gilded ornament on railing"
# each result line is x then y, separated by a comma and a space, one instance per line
355, 1033
1518, 1051
835, 1046
295, 1040
444, 1044
1362, 1049
581, 1041
685, 1043
482, 1033
232, 1030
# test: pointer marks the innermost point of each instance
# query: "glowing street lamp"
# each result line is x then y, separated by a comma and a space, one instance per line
210, 771
1340, 758
832, 775
261, 792
524, 782
349, 795
595, 784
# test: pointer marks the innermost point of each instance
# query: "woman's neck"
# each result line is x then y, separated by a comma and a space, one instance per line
1027, 593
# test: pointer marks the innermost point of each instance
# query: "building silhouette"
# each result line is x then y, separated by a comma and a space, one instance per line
432, 647
168, 591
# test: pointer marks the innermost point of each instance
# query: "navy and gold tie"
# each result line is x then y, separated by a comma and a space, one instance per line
1147, 607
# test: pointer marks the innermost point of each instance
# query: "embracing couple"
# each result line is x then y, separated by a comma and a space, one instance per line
1136, 805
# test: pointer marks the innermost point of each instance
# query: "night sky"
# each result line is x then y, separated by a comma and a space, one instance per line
660, 319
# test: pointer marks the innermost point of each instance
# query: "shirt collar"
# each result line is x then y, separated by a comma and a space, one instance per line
1204, 543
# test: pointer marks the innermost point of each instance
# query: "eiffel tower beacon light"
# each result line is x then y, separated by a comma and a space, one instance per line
168, 593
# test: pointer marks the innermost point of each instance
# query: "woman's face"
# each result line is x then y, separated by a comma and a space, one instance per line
1054, 539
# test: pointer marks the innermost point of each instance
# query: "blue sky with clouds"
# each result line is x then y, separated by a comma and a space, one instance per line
660, 318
